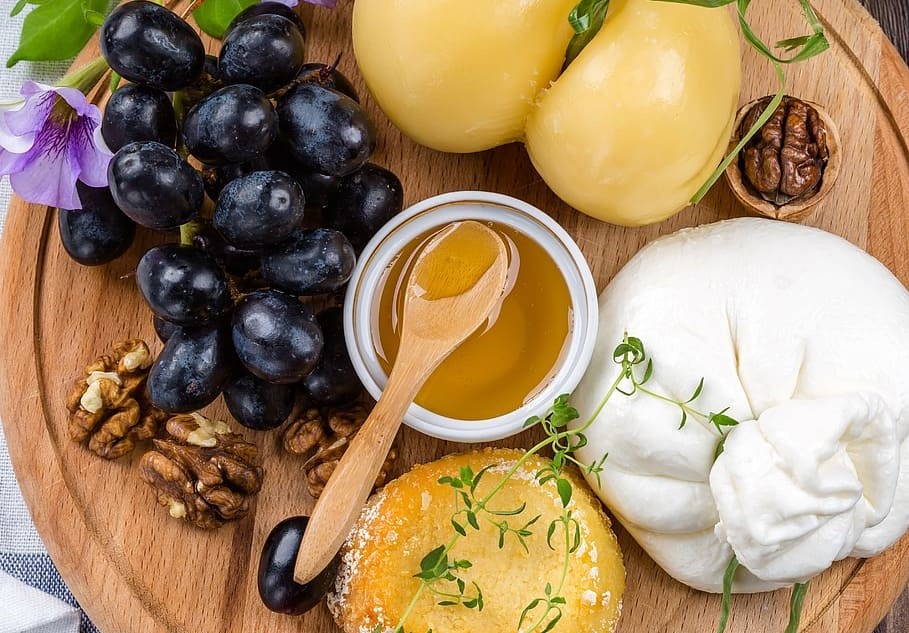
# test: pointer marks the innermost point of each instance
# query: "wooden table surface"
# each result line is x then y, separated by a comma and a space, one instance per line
894, 18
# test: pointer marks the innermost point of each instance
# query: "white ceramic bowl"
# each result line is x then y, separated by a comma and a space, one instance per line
365, 289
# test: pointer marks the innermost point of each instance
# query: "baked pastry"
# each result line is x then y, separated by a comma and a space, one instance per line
412, 516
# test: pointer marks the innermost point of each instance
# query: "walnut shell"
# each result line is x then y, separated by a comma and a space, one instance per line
797, 209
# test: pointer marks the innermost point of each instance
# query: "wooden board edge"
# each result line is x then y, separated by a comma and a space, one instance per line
60, 524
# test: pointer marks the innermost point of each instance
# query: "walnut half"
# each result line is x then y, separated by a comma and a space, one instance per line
792, 162
322, 438
203, 473
108, 407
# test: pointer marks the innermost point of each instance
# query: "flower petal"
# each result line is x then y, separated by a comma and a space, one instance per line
10, 142
78, 102
92, 160
46, 175
31, 117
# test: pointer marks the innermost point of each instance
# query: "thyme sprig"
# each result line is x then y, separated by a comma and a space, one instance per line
630, 354
440, 574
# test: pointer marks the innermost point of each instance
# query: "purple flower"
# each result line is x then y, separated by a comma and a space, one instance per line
49, 142
322, 3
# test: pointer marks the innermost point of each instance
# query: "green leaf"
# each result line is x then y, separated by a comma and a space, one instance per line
564, 488
17, 8
434, 559
696, 393
648, 372
531, 421
56, 30
550, 533
472, 519
530, 607
727, 593
214, 16
509, 513
553, 622
458, 528
796, 604
95, 18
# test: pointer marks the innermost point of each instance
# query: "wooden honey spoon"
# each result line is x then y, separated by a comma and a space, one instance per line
457, 280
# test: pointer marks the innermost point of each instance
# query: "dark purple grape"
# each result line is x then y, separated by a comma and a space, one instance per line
233, 125
205, 84
277, 587
266, 51
334, 381
148, 44
257, 404
259, 210
232, 259
154, 186
363, 202
268, 8
191, 370
275, 336
164, 329
327, 77
99, 232
183, 285
311, 263
216, 177
326, 131
138, 113
316, 186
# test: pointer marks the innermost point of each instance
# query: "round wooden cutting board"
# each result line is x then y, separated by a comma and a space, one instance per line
134, 569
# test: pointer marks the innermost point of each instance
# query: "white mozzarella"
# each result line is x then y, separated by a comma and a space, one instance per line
805, 338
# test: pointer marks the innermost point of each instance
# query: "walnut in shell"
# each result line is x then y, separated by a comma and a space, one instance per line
108, 407
791, 164
203, 472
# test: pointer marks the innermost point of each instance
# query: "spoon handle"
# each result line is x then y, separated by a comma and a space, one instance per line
349, 486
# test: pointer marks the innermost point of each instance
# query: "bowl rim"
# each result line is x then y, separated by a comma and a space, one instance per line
438, 211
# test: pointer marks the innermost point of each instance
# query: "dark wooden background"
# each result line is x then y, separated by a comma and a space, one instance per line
894, 18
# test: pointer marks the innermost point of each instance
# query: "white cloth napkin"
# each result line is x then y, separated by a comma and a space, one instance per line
24, 609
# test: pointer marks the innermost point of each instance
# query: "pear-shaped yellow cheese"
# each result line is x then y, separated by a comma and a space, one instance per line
639, 121
460, 75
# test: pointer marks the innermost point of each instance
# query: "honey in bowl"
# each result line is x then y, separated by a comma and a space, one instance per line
511, 357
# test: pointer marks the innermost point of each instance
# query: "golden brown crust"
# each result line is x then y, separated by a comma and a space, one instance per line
412, 516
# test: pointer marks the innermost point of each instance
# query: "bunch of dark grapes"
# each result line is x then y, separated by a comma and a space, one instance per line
281, 147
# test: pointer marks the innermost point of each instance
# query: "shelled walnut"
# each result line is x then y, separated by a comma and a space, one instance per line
322, 437
109, 409
203, 472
